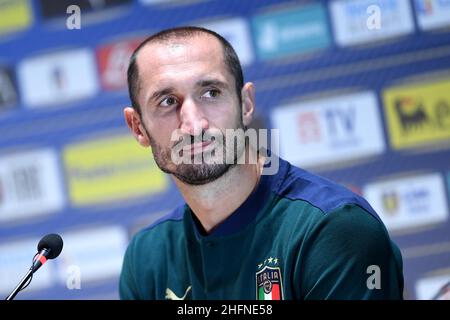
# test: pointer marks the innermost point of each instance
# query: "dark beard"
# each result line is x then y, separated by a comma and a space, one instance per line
199, 174
192, 174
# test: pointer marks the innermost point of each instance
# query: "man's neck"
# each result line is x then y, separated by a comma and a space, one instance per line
214, 202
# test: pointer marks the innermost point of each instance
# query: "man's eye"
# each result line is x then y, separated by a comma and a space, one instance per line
167, 102
213, 93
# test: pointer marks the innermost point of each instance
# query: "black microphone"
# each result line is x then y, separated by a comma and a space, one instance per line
49, 247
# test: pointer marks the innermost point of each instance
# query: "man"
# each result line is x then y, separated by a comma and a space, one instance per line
242, 234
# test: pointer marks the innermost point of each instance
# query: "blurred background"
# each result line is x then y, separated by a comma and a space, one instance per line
360, 91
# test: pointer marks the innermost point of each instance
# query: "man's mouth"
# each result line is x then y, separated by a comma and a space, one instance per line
192, 146
197, 146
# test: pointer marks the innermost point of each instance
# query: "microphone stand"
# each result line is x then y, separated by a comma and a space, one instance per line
49, 247
20, 285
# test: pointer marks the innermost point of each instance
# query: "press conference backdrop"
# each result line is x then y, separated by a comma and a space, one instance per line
360, 91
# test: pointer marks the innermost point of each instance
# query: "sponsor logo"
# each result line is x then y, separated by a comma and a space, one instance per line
53, 9
15, 15
289, 32
30, 185
58, 78
411, 113
418, 114
111, 169
350, 20
309, 127
8, 93
409, 202
325, 131
236, 32
97, 252
113, 62
432, 14
269, 284
390, 202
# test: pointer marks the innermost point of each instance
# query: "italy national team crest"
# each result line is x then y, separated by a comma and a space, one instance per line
269, 285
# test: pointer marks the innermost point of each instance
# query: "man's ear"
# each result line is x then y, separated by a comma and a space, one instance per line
133, 120
248, 103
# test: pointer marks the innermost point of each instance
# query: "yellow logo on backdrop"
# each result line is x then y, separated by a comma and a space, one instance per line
14, 15
418, 114
111, 169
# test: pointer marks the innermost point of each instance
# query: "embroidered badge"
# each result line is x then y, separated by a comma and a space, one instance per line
269, 285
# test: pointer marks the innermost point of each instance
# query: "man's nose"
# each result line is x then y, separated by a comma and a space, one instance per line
192, 119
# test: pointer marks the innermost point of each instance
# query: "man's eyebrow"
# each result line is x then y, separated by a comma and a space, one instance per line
159, 93
201, 83
211, 82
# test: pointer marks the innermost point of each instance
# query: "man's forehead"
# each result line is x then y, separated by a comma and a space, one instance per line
176, 47
163, 59
182, 46
165, 49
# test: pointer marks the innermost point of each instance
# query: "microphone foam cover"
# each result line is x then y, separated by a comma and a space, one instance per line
53, 242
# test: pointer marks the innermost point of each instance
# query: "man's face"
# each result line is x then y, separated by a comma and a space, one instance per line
185, 91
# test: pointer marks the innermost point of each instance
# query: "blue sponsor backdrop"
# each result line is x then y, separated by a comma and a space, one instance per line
294, 55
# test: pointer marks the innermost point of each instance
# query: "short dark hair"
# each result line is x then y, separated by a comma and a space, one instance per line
230, 56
